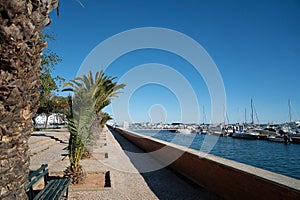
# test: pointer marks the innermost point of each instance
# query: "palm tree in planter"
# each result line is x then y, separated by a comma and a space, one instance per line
91, 95
21, 22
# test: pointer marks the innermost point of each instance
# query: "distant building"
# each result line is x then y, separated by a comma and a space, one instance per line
53, 119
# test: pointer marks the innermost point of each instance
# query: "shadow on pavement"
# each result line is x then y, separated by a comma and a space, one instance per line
164, 182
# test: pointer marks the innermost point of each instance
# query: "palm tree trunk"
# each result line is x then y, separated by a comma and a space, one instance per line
46, 121
20, 46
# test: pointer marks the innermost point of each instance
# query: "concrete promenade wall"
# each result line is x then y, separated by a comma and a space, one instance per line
228, 179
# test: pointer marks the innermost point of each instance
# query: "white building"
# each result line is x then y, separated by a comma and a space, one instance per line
53, 119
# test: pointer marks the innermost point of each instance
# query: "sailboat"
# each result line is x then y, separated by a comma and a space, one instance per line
203, 129
247, 134
288, 133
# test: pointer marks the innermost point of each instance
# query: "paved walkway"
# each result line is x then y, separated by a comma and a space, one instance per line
112, 153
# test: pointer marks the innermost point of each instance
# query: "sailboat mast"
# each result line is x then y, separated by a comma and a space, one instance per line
204, 116
252, 121
290, 114
245, 115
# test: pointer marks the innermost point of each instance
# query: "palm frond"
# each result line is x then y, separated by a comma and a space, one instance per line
91, 95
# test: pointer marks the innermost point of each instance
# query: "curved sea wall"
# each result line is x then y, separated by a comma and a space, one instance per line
226, 178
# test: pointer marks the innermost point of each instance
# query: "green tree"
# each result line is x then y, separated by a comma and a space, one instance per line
49, 60
104, 118
91, 95
61, 106
54, 104
49, 84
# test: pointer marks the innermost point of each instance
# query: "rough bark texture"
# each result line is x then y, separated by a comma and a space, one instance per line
21, 22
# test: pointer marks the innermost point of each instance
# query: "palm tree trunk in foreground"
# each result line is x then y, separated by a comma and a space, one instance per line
20, 47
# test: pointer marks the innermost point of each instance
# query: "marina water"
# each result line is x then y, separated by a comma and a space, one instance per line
276, 157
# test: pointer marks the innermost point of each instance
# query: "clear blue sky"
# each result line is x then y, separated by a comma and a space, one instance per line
254, 44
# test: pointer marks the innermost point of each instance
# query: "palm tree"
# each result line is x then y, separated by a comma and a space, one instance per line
91, 95
104, 118
21, 46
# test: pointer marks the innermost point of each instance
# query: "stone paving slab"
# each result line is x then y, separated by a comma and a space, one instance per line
126, 181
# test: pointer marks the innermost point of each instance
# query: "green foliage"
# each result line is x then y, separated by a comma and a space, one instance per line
53, 104
60, 105
49, 102
49, 60
104, 118
76, 149
91, 95
76, 146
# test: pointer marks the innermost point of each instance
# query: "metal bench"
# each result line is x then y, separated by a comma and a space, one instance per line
54, 189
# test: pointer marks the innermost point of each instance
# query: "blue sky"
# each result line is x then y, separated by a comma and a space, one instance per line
254, 44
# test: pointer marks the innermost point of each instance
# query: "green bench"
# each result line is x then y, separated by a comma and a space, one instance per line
54, 189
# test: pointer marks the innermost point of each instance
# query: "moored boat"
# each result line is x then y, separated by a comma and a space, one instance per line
264, 133
184, 130
217, 130
246, 135
279, 138
295, 140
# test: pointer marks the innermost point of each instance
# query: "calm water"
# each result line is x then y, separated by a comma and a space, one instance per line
276, 157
